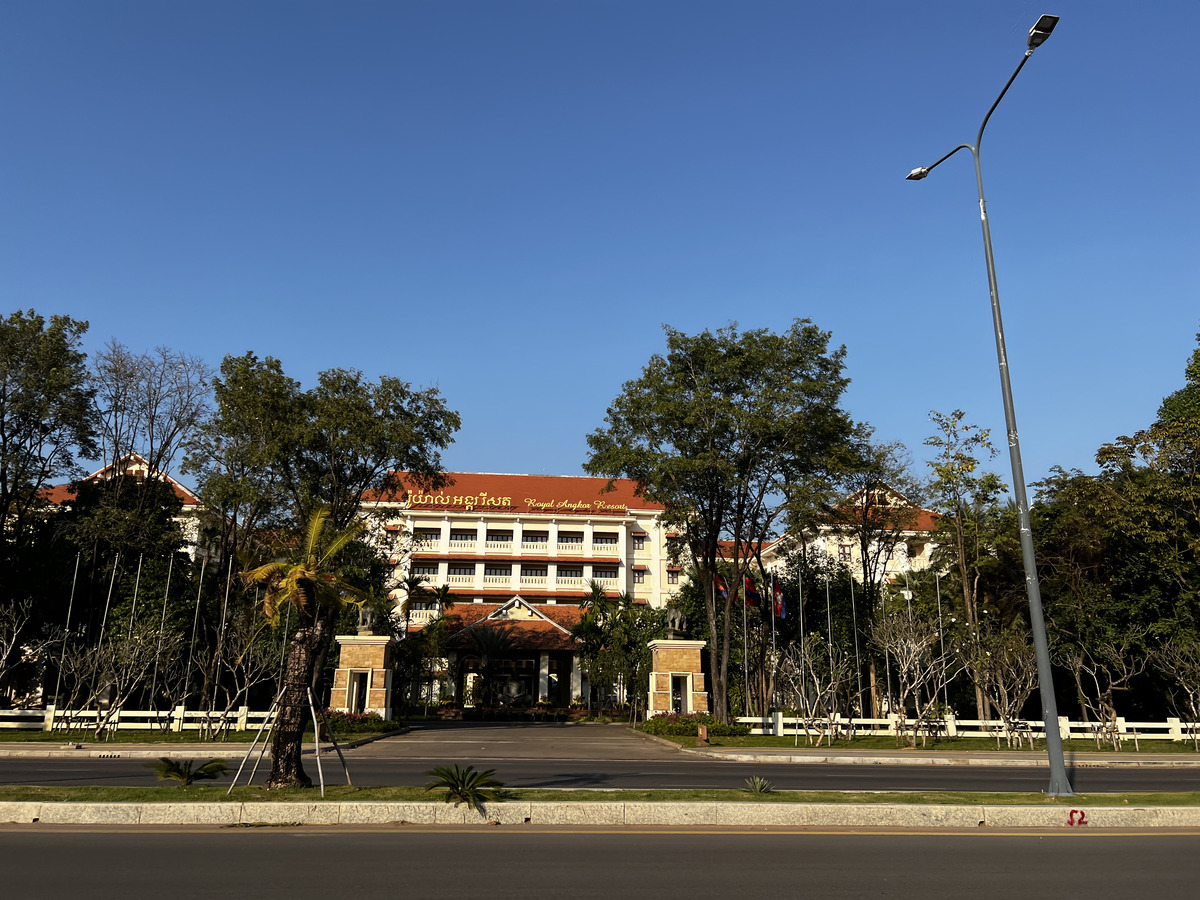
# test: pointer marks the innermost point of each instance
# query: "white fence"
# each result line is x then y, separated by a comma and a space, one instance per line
784, 724
177, 720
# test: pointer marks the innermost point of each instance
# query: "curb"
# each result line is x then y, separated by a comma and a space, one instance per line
170, 751
697, 814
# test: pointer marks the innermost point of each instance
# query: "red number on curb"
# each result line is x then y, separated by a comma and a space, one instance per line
1072, 821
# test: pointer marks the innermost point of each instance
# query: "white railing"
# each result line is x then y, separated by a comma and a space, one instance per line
787, 724
421, 617
506, 546
563, 581
178, 719
460, 579
497, 579
534, 545
534, 579
605, 550
575, 548
463, 545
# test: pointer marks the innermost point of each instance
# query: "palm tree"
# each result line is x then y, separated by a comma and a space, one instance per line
312, 585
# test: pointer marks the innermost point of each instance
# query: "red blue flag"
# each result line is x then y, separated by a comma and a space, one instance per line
719, 587
777, 596
750, 593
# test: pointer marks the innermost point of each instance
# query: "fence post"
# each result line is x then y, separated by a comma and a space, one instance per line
777, 725
892, 723
48, 719
1174, 728
951, 725
177, 718
1064, 727
243, 715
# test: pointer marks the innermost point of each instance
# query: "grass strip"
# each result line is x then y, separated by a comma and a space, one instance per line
887, 742
409, 794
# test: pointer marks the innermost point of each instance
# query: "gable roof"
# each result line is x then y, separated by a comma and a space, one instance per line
132, 464
532, 628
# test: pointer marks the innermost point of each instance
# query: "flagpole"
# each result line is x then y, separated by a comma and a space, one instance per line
829, 619
745, 654
857, 659
774, 652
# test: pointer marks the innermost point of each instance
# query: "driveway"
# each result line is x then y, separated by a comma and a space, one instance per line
467, 740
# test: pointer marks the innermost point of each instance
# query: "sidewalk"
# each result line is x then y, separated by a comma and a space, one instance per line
101, 750
918, 757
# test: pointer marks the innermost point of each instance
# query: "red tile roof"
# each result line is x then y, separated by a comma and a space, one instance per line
65, 493
559, 494
527, 634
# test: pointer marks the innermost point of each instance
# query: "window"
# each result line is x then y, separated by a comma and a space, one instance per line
639, 542
471, 536
535, 537
462, 570
570, 571
604, 537
502, 537
570, 537
672, 576
533, 571
427, 535
425, 570
843, 553
610, 574
639, 576
497, 570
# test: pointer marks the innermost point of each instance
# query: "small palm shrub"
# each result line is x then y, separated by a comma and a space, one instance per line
181, 771
463, 784
756, 784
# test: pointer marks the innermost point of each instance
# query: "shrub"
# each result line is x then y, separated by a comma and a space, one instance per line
756, 784
680, 725
351, 723
181, 771
463, 784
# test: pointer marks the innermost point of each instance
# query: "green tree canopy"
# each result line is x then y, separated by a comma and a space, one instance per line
726, 431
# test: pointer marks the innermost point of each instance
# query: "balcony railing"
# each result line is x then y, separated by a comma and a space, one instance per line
605, 550
500, 545
568, 581
573, 547
497, 579
460, 579
534, 579
463, 545
421, 617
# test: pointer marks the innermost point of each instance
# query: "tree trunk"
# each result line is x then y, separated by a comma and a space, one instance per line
287, 770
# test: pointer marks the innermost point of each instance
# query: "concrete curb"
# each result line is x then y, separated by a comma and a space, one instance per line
543, 814
170, 751
944, 758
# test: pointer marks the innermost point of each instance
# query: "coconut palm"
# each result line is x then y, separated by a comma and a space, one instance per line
311, 584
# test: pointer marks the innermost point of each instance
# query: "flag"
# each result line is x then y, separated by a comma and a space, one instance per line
719, 587
750, 593
777, 597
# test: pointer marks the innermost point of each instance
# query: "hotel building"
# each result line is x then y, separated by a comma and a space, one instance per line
518, 552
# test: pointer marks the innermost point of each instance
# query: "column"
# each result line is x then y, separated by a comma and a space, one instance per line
576, 678
543, 675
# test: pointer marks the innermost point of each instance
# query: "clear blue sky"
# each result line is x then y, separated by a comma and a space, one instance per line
508, 199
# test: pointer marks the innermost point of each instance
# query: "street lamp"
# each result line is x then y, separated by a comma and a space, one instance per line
1059, 785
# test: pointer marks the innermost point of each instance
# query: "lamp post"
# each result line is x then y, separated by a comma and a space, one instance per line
1059, 784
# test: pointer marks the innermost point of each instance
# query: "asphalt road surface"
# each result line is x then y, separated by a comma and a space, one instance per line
497, 863
606, 758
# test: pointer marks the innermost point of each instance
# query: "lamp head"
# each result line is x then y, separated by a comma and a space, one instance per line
916, 174
1041, 30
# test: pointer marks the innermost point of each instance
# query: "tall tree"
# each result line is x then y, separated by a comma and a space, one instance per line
313, 585
967, 496
880, 508
726, 431
46, 418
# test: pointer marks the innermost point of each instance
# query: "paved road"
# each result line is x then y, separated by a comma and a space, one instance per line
610, 757
503, 863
